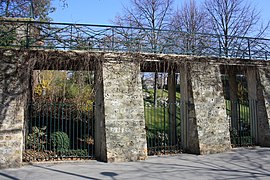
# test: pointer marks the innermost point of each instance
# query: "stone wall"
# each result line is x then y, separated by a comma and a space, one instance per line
119, 110
123, 118
263, 106
207, 126
13, 87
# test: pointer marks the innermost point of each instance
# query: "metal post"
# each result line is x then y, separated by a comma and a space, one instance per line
164, 127
71, 35
27, 36
113, 39
249, 51
31, 9
219, 43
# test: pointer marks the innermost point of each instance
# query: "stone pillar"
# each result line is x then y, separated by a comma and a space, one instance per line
120, 124
13, 89
251, 75
172, 106
263, 106
207, 127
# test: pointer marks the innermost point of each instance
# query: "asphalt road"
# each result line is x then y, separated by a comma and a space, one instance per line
242, 163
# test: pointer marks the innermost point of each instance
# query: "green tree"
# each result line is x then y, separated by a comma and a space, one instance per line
63, 86
37, 9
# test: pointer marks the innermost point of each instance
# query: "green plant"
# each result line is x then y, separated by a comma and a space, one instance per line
156, 137
7, 36
36, 139
234, 136
59, 141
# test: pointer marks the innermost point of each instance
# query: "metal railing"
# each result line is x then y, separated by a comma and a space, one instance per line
163, 128
59, 131
243, 122
68, 36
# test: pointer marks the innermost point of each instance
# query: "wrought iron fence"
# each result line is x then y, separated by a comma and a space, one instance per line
163, 128
163, 125
243, 126
59, 131
67, 36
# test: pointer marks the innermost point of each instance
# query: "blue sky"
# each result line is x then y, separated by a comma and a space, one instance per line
103, 11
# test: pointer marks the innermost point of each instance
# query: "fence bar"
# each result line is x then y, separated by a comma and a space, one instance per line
160, 129
243, 134
59, 131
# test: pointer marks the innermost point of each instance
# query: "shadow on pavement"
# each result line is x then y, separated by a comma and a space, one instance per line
109, 174
65, 172
237, 165
8, 176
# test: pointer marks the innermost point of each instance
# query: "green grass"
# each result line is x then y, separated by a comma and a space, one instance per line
158, 118
158, 127
155, 117
242, 107
161, 93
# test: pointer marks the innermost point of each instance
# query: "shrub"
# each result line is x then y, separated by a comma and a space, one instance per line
7, 36
157, 137
36, 139
59, 141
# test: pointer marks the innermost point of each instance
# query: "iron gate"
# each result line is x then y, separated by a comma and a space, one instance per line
163, 128
58, 131
242, 115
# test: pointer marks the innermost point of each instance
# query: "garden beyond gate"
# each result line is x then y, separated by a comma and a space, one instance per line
59, 131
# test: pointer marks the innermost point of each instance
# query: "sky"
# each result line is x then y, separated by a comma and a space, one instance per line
104, 11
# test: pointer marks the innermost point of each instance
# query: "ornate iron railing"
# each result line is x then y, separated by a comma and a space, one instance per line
67, 36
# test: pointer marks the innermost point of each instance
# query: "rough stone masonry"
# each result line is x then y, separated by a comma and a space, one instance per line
13, 92
123, 113
120, 129
207, 129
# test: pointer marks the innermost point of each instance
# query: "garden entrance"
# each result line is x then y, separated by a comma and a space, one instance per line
241, 105
163, 129
162, 109
241, 122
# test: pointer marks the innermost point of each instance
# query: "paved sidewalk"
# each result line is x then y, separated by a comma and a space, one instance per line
242, 163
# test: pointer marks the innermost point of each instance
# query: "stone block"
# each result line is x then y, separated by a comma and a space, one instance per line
207, 128
13, 83
124, 124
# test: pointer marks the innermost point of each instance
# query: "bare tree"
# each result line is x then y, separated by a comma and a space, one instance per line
152, 16
233, 19
189, 23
